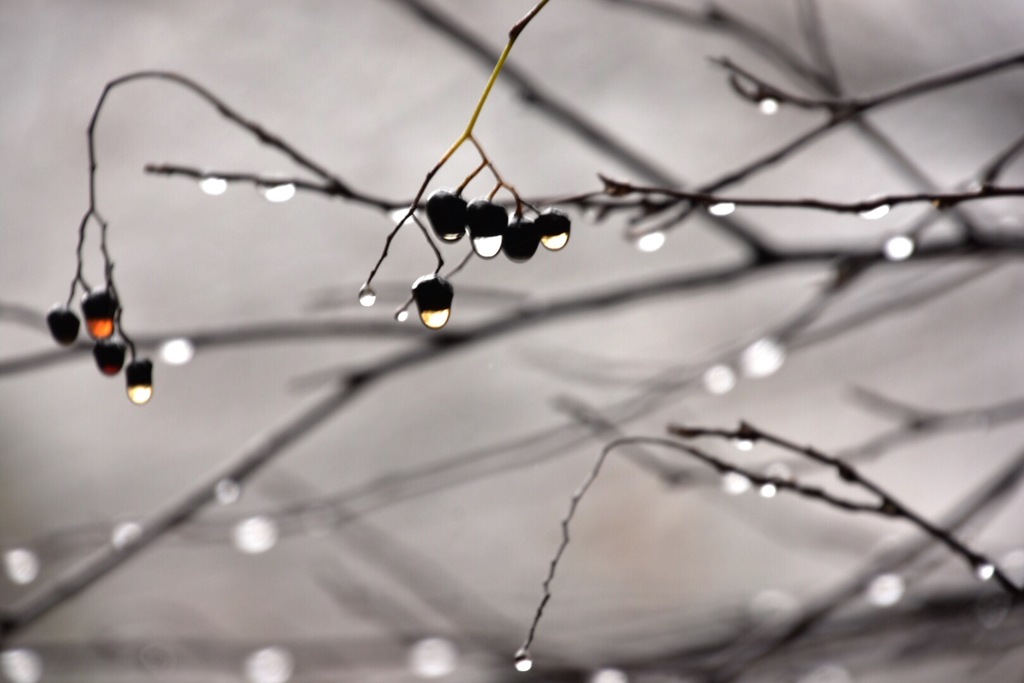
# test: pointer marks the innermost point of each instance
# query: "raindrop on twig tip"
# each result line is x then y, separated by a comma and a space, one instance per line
367, 297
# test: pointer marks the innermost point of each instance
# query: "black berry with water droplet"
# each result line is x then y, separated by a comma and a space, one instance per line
433, 295
554, 226
100, 309
447, 214
109, 356
521, 239
63, 325
485, 218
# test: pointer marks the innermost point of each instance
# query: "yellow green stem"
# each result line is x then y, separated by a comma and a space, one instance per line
513, 35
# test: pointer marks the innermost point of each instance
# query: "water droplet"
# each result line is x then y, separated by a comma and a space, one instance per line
398, 214
885, 590
367, 297
125, 534
177, 351
779, 470
768, 490
487, 247
985, 571
768, 105
21, 566
735, 483
523, 662
743, 444
433, 657
827, 673
227, 491
402, 315
213, 186
651, 241
435, 320
873, 214
278, 193
609, 675
21, 665
269, 665
719, 379
772, 606
555, 242
255, 535
898, 248
721, 209
762, 358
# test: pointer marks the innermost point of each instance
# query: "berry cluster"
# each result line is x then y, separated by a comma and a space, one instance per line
101, 311
490, 231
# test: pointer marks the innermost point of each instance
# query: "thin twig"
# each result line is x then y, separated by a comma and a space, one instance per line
622, 190
887, 503
328, 187
755, 89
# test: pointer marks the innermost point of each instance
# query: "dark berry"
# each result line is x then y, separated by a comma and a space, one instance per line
447, 213
109, 356
100, 309
521, 239
484, 218
554, 227
63, 325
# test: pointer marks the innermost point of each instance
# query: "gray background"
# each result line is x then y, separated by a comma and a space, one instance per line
377, 96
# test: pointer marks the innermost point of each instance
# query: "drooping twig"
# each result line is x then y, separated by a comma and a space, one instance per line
887, 505
92, 213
